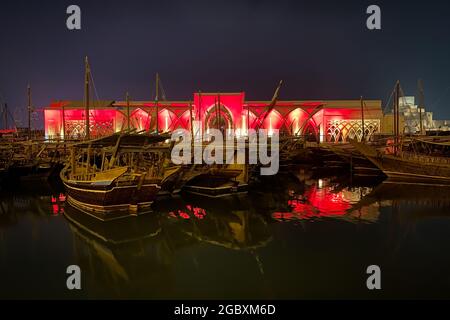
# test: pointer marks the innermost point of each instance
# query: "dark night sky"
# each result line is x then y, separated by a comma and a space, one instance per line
321, 49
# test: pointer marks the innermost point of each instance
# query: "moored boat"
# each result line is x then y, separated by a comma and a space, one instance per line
419, 160
116, 175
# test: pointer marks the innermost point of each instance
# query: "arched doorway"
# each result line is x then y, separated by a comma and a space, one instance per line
310, 132
218, 117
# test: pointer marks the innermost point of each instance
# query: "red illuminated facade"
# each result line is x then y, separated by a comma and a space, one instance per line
322, 120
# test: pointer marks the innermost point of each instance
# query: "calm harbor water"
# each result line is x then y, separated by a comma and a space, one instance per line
295, 237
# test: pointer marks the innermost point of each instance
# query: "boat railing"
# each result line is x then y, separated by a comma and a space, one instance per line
82, 176
425, 158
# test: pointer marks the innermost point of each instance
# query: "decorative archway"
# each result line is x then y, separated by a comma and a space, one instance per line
166, 120
219, 117
273, 121
139, 119
310, 131
300, 122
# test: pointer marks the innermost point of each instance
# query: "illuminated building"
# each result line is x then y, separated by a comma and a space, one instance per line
413, 114
320, 120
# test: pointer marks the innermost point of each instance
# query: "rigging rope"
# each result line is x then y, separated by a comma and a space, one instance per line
388, 101
96, 93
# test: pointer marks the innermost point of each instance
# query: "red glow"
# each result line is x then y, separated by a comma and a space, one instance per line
139, 119
316, 202
199, 213
328, 202
184, 215
288, 116
7, 131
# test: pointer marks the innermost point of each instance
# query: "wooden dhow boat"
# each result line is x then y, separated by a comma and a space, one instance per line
416, 160
358, 163
36, 160
118, 174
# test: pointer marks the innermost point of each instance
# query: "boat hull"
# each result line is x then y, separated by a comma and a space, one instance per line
131, 198
399, 168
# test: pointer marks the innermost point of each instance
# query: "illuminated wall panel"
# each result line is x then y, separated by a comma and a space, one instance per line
225, 111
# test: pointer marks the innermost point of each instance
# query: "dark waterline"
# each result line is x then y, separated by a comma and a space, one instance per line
295, 236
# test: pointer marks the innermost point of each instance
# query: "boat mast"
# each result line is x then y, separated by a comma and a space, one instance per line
396, 116
191, 121
64, 121
200, 114
362, 120
156, 102
29, 111
5, 114
248, 119
219, 123
87, 74
215, 110
128, 111
421, 104
270, 107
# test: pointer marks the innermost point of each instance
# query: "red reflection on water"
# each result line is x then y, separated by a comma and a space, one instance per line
283, 215
315, 202
57, 204
328, 202
183, 214
199, 213
172, 214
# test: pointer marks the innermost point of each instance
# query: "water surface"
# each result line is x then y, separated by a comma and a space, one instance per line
293, 237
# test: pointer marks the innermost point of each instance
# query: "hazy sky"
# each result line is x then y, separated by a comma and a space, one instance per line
321, 49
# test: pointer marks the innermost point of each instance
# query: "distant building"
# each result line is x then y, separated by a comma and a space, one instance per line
412, 115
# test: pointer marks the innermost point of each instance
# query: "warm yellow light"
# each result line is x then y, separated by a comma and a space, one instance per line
270, 133
167, 121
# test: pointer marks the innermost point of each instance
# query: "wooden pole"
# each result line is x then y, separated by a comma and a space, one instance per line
72, 161
88, 161
86, 97
362, 121
64, 122
6, 115
156, 102
248, 119
200, 114
220, 116
190, 121
128, 111
420, 120
421, 104
396, 116
29, 111
217, 115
